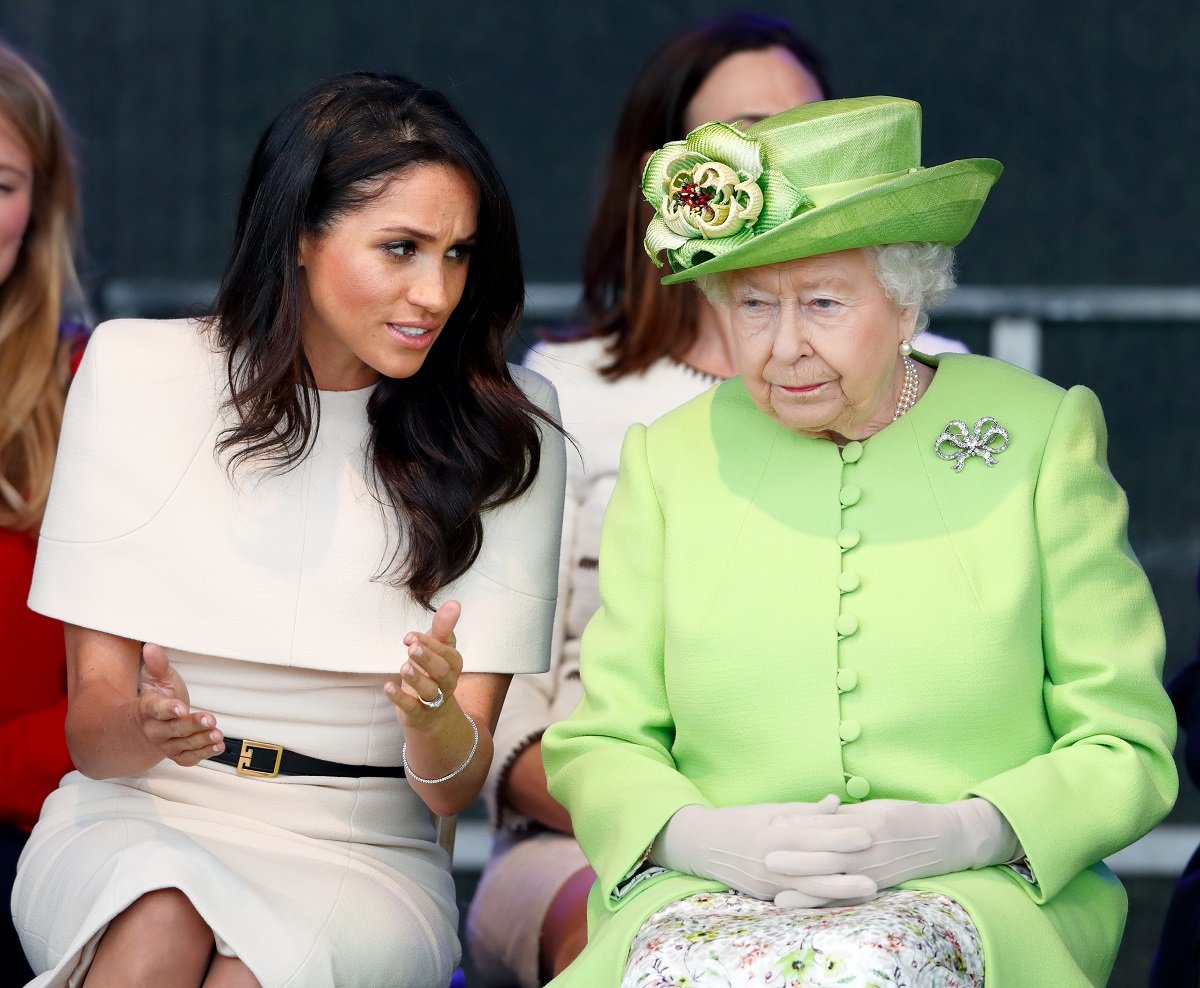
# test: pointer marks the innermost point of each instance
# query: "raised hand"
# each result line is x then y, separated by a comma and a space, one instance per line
429, 677
165, 716
734, 844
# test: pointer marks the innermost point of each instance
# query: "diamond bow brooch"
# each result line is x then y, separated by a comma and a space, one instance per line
958, 443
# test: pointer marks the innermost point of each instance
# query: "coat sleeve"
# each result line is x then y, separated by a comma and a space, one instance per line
610, 762
1109, 777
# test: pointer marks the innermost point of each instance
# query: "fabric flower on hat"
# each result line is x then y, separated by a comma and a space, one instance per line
712, 192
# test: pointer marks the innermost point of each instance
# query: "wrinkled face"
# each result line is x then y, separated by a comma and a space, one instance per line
817, 343
380, 284
750, 85
16, 194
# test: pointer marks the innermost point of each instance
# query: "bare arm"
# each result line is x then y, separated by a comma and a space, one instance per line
438, 740
525, 791
118, 726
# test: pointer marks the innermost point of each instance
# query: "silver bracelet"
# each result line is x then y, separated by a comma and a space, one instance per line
445, 778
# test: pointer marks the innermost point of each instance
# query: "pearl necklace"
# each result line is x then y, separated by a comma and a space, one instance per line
908, 393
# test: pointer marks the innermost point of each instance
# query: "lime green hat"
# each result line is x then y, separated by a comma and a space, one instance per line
812, 180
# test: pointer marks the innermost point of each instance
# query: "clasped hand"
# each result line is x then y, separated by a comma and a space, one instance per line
814, 854
733, 845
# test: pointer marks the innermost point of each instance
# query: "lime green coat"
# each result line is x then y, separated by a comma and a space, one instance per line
783, 619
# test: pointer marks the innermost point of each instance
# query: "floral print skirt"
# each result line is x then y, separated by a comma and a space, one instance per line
726, 940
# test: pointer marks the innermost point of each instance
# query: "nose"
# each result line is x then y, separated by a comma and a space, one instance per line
427, 290
793, 336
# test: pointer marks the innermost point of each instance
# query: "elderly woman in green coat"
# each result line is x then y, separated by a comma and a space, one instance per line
875, 687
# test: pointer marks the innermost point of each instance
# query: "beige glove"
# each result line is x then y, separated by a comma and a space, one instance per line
731, 845
906, 840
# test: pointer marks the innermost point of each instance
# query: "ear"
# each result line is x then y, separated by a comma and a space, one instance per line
908, 321
305, 247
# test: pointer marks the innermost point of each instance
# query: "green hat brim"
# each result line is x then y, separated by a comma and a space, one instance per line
931, 205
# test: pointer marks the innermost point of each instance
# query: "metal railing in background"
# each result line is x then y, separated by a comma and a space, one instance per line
1018, 316
154, 298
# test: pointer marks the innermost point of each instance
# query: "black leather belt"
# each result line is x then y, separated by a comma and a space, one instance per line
262, 760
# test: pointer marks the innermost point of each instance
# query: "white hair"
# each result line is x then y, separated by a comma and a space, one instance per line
714, 287
914, 276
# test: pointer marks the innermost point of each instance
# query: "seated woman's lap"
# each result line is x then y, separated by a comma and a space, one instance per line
290, 908
731, 939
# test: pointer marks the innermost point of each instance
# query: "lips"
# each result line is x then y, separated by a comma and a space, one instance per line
413, 335
412, 329
802, 389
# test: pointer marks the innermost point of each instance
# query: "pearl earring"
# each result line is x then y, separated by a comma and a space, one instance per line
905, 348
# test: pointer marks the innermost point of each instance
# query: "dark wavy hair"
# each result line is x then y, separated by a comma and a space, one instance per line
458, 437
622, 299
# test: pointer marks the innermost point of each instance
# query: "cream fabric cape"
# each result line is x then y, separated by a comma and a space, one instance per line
1005, 644
146, 537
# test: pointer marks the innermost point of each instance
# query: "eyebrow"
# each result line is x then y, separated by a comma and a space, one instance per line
817, 283
835, 283
20, 172
412, 233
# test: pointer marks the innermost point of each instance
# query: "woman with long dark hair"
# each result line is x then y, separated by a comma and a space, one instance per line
276, 498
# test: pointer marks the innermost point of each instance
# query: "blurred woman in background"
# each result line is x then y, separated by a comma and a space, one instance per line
39, 213
647, 349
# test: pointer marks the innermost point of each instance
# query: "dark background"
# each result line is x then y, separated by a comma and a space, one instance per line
1094, 109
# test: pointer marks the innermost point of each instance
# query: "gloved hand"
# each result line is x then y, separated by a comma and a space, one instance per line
908, 840
730, 845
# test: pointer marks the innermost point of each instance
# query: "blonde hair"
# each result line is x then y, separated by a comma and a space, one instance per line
33, 361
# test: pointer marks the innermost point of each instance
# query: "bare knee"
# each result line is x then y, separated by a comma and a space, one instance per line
229, 972
167, 912
132, 951
564, 928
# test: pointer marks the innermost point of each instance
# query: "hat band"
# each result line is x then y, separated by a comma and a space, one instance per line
823, 195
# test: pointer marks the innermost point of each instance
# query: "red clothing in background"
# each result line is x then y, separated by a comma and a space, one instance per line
33, 694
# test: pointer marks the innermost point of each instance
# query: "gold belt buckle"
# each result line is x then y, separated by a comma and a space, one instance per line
247, 754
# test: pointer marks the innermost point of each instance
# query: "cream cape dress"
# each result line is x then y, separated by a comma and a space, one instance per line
261, 591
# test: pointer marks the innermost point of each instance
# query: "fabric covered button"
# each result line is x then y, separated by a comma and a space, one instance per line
846, 625
849, 730
847, 679
848, 538
849, 495
857, 787
848, 582
852, 452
